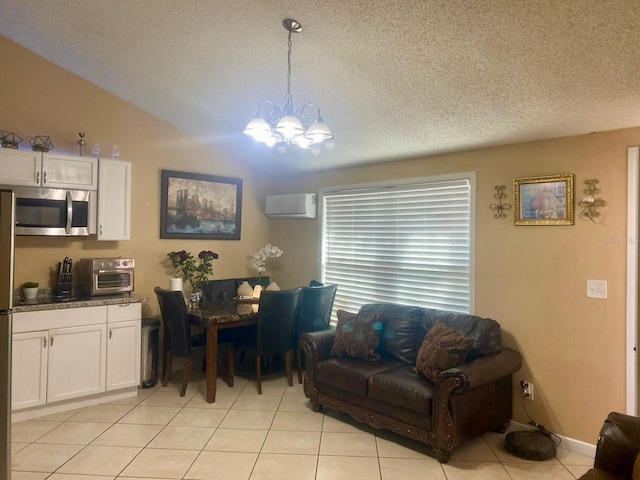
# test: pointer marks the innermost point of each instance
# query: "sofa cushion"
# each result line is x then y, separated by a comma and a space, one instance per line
443, 348
357, 336
351, 374
485, 332
403, 388
402, 334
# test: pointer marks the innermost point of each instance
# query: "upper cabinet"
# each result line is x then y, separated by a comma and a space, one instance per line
64, 171
49, 170
114, 200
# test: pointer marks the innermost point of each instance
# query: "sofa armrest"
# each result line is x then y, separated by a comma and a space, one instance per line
316, 347
320, 343
618, 444
486, 369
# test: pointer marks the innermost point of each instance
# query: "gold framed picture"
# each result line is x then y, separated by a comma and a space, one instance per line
200, 207
546, 200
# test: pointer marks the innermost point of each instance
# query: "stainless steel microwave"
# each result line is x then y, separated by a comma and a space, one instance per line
53, 211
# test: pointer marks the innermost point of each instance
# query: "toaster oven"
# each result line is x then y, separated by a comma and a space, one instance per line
105, 276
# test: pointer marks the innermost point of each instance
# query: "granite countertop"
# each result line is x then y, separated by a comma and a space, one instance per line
49, 303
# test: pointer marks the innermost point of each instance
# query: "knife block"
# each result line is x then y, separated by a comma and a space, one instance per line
63, 286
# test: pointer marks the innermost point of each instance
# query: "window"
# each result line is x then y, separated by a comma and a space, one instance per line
404, 243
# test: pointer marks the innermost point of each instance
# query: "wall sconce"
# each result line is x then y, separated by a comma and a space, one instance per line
500, 207
590, 203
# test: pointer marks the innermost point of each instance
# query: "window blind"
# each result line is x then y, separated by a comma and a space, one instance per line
408, 244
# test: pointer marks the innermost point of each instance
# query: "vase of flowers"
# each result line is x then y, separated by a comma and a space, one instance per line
258, 261
193, 270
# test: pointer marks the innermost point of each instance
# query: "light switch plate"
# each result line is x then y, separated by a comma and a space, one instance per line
597, 289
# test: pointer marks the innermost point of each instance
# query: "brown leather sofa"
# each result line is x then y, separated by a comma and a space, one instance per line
466, 400
617, 450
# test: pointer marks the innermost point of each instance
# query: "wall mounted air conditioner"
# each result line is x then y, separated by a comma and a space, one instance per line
294, 205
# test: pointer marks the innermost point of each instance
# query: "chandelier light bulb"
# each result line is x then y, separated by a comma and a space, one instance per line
302, 141
318, 132
289, 127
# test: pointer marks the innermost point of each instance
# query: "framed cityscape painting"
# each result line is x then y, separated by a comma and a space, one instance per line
196, 206
546, 200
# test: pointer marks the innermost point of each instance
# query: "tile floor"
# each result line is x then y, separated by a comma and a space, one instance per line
245, 436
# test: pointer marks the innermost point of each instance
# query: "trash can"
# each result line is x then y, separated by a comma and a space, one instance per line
149, 352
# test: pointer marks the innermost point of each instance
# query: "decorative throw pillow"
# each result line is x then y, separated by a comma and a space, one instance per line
442, 348
356, 337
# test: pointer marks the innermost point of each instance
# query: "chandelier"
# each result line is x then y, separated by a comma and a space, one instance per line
273, 126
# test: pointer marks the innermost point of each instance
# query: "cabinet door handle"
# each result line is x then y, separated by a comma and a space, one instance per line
110, 333
37, 177
124, 304
51, 341
44, 342
100, 230
44, 177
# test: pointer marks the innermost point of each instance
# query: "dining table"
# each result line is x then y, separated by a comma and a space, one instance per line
215, 317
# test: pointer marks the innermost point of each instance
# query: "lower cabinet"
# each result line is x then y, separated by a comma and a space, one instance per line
29, 369
75, 360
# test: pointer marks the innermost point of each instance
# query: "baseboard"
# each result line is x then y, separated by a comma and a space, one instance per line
575, 446
73, 404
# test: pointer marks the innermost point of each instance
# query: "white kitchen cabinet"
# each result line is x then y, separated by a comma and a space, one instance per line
67, 171
64, 355
20, 167
50, 170
29, 369
123, 355
77, 362
123, 345
114, 200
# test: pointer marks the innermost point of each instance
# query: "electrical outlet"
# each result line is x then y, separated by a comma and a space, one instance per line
527, 389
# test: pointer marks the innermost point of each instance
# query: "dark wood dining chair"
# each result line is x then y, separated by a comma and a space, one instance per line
276, 316
180, 342
314, 314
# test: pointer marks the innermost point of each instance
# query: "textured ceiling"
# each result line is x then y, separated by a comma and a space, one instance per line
394, 79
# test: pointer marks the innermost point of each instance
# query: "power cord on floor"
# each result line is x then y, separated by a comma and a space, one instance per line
555, 438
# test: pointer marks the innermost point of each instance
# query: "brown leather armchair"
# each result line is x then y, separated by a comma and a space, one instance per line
617, 450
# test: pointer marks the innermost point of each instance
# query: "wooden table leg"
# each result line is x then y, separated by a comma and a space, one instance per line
212, 353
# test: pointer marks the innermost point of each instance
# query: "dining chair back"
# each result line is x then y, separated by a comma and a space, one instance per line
314, 314
180, 342
177, 339
276, 317
218, 291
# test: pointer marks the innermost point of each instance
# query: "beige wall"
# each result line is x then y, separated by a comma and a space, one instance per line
39, 98
529, 278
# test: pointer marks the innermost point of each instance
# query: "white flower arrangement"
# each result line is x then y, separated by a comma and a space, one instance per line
258, 260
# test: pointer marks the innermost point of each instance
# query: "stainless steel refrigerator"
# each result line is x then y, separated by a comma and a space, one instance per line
7, 236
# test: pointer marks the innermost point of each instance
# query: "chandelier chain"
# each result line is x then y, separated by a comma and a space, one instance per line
288, 97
